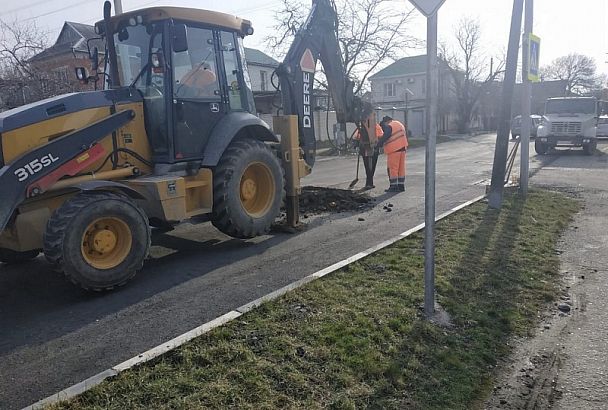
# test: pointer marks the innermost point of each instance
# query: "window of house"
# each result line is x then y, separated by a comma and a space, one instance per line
389, 90
263, 80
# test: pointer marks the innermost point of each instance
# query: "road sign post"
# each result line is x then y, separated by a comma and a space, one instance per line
533, 45
430, 8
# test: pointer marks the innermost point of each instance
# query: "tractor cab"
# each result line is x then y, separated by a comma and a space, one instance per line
189, 67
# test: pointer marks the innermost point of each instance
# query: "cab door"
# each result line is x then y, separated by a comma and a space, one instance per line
235, 98
197, 100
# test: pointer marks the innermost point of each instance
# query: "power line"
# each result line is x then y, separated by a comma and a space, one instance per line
58, 10
23, 7
245, 10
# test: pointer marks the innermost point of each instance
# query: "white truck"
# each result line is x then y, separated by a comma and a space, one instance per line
568, 122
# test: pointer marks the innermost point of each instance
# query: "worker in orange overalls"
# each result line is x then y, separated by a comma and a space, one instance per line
200, 81
394, 141
369, 154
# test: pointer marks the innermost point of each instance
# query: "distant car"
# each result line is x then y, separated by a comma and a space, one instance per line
602, 127
516, 126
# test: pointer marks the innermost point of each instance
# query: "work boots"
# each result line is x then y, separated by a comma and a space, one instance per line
401, 184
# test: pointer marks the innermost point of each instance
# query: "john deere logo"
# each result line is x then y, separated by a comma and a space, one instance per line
307, 65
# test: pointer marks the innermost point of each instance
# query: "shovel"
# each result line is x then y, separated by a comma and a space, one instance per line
354, 182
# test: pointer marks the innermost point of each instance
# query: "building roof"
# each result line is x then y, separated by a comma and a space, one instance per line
72, 38
256, 57
404, 66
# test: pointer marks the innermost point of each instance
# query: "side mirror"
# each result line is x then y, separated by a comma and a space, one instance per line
180, 38
95, 59
82, 75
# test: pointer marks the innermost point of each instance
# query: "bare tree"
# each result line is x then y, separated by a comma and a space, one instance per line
470, 73
579, 72
21, 80
371, 33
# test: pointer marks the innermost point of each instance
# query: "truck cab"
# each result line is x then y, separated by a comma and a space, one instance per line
568, 122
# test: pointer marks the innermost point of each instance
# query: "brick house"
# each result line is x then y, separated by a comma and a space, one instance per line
68, 52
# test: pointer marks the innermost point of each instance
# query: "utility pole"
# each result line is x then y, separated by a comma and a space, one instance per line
504, 125
117, 7
524, 166
407, 93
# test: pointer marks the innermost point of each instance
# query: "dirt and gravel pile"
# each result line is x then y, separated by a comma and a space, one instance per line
315, 200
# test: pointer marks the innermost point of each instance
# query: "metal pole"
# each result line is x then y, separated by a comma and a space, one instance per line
429, 172
117, 7
524, 166
504, 124
405, 115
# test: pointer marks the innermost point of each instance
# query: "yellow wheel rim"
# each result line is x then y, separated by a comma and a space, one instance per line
106, 243
257, 189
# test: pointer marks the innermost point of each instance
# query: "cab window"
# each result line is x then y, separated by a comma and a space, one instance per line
233, 72
195, 70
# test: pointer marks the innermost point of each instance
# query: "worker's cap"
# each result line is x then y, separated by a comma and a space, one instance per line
386, 118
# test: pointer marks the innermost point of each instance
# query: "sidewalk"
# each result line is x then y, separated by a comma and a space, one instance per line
565, 366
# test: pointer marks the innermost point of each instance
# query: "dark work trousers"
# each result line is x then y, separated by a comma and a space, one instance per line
369, 162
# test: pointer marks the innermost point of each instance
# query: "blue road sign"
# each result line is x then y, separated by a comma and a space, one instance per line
534, 58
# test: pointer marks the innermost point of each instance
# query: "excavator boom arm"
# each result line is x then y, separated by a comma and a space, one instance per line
317, 39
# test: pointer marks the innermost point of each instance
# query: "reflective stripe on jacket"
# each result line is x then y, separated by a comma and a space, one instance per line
398, 140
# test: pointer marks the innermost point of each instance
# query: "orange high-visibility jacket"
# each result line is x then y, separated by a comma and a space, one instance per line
398, 139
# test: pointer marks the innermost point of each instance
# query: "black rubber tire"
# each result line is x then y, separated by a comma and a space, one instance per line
541, 148
11, 257
65, 230
228, 213
589, 149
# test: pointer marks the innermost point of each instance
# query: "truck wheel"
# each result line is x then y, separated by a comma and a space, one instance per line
11, 257
99, 240
247, 189
541, 148
589, 149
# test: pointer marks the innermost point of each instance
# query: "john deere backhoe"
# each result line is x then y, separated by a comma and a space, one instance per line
173, 135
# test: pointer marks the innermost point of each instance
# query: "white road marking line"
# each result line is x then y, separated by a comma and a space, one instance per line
95, 380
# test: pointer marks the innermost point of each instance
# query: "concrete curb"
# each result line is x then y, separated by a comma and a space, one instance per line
148, 355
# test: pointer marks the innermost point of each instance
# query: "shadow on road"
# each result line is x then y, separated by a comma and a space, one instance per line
38, 305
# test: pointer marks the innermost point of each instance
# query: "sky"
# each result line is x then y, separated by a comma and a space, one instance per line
565, 26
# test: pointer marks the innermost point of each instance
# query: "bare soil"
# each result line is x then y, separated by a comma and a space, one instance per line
315, 200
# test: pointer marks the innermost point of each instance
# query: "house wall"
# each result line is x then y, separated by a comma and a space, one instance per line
416, 103
415, 83
61, 71
256, 77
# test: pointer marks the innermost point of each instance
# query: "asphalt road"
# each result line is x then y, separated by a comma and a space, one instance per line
53, 335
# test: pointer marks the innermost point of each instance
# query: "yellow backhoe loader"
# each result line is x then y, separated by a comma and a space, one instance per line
171, 135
